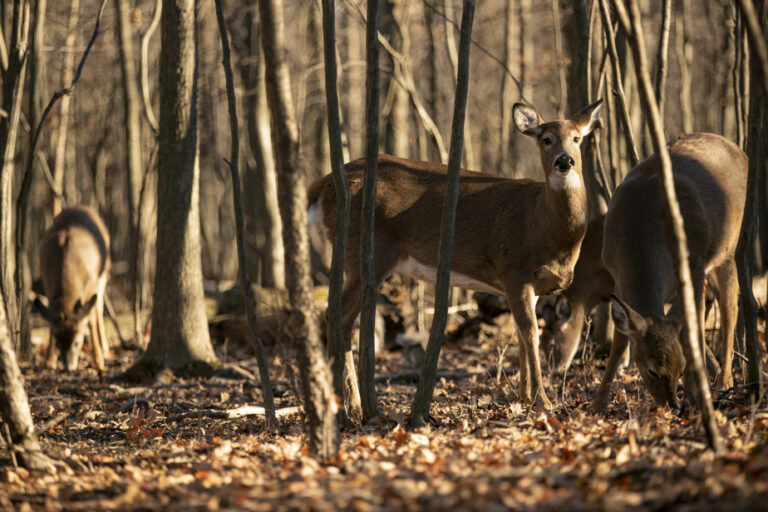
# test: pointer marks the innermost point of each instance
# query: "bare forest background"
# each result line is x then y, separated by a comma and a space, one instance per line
543, 53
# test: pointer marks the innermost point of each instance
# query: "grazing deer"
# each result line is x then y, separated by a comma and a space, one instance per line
518, 238
592, 284
710, 176
74, 263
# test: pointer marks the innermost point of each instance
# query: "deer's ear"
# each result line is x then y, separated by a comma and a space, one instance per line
527, 120
628, 321
82, 309
44, 310
588, 118
563, 308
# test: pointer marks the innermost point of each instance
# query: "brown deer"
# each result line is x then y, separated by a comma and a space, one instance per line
710, 176
74, 263
519, 238
592, 284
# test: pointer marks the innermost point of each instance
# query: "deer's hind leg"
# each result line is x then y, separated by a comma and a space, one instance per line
726, 281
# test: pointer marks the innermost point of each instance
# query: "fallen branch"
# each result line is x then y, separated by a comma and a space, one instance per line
229, 414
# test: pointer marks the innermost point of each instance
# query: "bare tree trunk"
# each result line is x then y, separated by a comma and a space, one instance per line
470, 157
134, 160
262, 212
691, 344
420, 408
354, 83
758, 123
341, 186
367, 353
14, 407
396, 122
68, 70
576, 30
316, 108
313, 366
563, 99
249, 302
180, 339
507, 91
684, 51
661, 56
13, 87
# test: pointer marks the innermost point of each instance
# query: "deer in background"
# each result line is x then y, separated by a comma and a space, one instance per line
710, 176
74, 263
518, 238
592, 284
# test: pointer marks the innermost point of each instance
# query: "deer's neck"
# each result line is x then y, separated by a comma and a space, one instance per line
566, 207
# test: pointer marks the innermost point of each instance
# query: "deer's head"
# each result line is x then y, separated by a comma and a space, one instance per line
656, 348
68, 326
559, 142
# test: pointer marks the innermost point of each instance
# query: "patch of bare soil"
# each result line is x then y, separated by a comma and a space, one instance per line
172, 447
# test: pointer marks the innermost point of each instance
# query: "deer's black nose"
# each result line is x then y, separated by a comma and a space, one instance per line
564, 162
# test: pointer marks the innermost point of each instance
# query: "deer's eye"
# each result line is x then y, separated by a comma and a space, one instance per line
653, 373
547, 141
576, 139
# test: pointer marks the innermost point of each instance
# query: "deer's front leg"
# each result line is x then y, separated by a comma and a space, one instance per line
96, 342
53, 357
522, 303
618, 350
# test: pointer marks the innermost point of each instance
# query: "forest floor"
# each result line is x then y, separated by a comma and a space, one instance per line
167, 447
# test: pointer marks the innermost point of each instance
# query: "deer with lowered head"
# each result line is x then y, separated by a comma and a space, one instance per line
518, 238
74, 263
710, 175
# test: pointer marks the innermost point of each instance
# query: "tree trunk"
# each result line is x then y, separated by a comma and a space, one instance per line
14, 407
506, 149
61, 147
335, 331
576, 32
134, 161
262, 213
396, 122
367, 271
354, 83
249, 302
420, 409
13, 87
180, 340
313, 366
691, 347
758, 123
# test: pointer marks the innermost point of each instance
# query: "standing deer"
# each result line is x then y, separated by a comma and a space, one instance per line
710, 176
519, 238
74, 263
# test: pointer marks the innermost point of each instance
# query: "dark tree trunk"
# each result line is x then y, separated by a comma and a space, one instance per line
420, 408
313, 366
180, 339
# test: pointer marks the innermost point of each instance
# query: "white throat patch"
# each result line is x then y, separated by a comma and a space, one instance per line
559, 182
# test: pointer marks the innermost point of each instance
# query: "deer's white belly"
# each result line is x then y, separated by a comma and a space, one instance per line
415, 269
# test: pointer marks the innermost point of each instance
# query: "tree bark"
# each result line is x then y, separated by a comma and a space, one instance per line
314, 369
249, 302
367, 353
14, 406
335, 331
420, 408
745, 250
504, 162
13, 87
661, 56
61, 148
691, 345
134, 160
396, 122
180, 339
684, 51
263, 212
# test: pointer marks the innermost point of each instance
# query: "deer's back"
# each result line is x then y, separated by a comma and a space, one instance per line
710, 176
74, 255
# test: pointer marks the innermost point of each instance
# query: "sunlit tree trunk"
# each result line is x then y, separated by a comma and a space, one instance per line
319, 403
